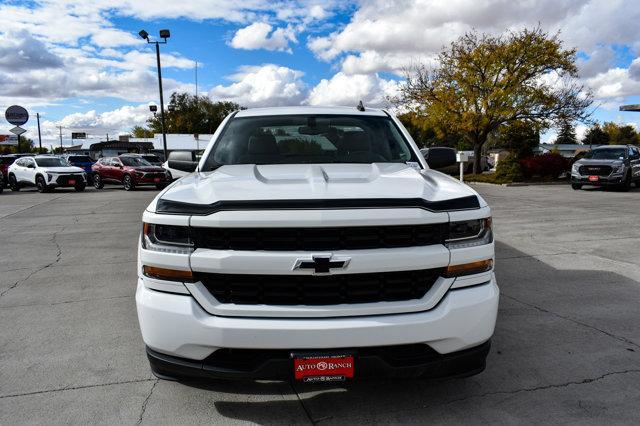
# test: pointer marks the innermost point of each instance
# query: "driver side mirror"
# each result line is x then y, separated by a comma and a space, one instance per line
440, 157
184, 166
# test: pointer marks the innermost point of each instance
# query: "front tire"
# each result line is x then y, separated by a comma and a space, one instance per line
128, 183
576, 186
626, 184
97, 181
41, 185
13, 183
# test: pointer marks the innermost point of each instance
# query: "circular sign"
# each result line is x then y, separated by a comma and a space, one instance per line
16, 115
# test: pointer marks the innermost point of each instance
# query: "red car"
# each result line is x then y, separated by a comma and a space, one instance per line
130, 171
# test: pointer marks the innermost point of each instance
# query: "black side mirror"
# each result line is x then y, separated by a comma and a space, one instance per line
440, 157
185, 166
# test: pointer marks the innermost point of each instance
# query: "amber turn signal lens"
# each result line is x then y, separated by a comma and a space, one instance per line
167, 274
468, 268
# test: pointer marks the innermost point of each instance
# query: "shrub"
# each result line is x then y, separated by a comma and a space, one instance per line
509, 169
550, 164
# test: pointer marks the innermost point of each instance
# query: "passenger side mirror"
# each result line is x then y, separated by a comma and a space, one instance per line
184, 166
440, 157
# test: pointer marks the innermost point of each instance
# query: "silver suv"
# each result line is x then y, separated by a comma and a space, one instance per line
609, 165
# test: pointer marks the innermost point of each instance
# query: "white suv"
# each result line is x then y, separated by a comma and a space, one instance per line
45, 172
316, 244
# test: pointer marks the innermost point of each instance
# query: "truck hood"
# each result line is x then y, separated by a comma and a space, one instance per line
590, 162
248, 182
70, 169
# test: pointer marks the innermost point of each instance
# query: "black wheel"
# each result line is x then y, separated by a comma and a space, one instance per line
13, 183
626, 184
97, 181
80, 186
128, 184
576, 186
41, 185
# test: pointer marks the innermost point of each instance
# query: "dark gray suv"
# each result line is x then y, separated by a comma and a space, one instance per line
609, 165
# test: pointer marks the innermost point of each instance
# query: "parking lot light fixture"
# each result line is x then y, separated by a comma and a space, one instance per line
164, 35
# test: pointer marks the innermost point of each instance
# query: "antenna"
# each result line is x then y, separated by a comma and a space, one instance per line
360, 107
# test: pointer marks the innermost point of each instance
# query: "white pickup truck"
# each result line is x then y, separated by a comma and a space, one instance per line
316, 244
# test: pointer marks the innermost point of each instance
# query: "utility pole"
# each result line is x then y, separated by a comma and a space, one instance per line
60, 128
39, 135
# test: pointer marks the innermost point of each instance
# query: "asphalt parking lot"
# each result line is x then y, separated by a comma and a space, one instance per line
566, 347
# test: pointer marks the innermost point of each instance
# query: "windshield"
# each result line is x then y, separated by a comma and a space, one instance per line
51, 162
134, 161
296, 139
606, 154
79, 159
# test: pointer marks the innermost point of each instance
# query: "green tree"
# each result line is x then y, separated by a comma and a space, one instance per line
620, 134
141, 132
518, 137
190, 114
483, 82
425, 135
595, 136
566, 134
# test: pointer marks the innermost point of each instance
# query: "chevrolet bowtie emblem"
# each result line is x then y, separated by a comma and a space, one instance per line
322, 264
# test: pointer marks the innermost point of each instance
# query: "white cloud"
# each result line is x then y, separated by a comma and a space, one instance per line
20, 51
261, 35
343, 89
616, 83
265, 85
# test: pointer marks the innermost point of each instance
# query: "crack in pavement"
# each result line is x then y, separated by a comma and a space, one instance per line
31, 207
304, 407
592, 327
66, 388
26, 305
58, 256
146, 401
545, 387
510, 392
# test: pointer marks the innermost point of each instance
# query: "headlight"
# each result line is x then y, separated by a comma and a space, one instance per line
619, 169
49, 177
139, 174
167, 238
469, 233
574, 168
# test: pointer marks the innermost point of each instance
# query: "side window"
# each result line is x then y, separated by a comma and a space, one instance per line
115, 162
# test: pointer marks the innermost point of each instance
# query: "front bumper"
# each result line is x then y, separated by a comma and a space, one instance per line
392, 361
151, 180
176, 325
63, 180
602, 180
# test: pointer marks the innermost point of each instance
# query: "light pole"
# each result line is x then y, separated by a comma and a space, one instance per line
164, 35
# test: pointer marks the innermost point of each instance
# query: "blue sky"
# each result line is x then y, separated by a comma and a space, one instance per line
81, 64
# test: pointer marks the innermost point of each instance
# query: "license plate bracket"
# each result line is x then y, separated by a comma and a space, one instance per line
323, 367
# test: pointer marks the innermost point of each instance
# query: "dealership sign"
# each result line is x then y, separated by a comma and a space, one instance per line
16, 115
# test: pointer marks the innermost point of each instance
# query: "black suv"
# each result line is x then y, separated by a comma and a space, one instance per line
609, 165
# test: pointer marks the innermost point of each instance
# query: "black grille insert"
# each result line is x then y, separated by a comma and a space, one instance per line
595, 170
314, 239
319, 290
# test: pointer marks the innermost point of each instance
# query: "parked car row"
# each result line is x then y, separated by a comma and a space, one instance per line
47, 172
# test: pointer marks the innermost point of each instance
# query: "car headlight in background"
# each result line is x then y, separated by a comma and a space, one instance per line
167, 238
469, 233
574, 168
618, 169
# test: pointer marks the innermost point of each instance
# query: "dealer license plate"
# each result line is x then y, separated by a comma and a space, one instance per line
72, 182
593, 178
157, 179
323, 368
